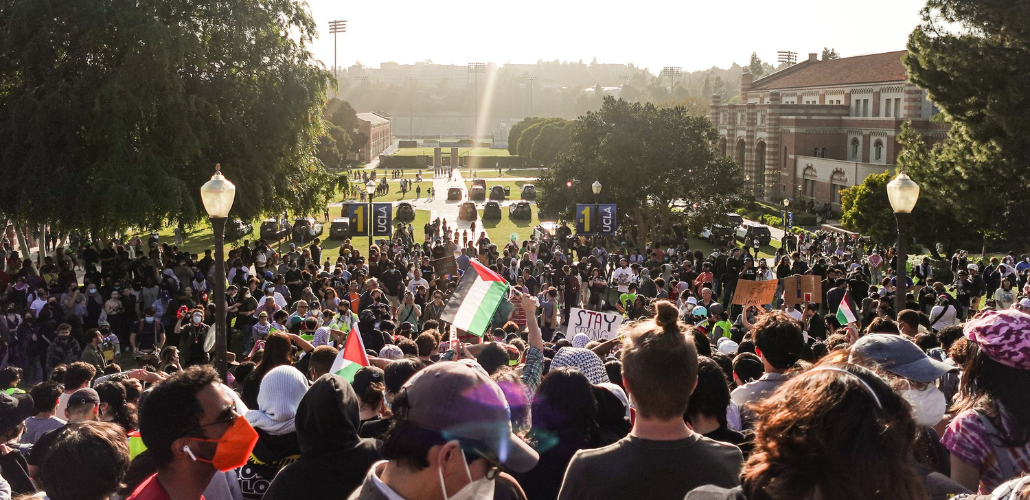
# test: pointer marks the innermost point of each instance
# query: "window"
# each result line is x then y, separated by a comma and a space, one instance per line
865, 107
838, 183
897, 108
878, 150
887, 108
815, 152
854, 148
823, 153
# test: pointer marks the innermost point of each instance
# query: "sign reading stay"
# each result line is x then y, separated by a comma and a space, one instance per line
597, 325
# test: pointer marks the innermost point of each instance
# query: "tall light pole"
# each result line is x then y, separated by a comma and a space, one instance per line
672, 72
218, 195
413, 80
530, 79
476, 68
336, 27
370, 188
596, 188
903, 193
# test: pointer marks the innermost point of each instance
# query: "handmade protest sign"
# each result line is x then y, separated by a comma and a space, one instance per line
597, 325
760, 292
800, 289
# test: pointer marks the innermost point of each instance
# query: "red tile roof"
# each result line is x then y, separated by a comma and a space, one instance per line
873, 68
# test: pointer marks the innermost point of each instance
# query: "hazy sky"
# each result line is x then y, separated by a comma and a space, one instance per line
650, 33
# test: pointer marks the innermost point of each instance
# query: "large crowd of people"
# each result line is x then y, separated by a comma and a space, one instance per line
107, 388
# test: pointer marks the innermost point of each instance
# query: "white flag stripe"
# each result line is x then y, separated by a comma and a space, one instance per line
470, 303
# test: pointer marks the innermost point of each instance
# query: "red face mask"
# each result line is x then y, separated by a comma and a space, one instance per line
234, 447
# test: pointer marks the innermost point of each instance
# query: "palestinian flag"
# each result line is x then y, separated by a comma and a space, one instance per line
845, 315
351, 358
474, 301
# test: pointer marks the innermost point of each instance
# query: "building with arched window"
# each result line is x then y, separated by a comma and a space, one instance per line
821, 126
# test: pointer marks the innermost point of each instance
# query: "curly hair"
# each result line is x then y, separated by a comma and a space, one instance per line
835, 431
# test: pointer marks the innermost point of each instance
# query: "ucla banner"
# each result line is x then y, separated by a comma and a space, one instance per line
606, 219
382, 219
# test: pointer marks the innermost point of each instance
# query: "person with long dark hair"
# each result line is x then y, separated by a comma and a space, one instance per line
564, 421
114, 408
835, 431
989, 438
278, 351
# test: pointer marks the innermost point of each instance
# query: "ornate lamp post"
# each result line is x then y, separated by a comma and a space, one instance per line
218, 195
903, 193
370, 189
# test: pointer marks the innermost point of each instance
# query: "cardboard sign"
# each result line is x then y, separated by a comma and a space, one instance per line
597, 325
762, 292
444, 266
799, 289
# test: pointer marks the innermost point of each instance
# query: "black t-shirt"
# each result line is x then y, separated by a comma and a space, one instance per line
15, 470
750, 274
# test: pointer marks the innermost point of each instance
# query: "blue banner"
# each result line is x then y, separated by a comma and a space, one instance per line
586, 219
382, 219
607, 220
790, 220
358, 215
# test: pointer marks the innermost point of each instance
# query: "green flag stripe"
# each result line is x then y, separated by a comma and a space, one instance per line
485, 312
348, 370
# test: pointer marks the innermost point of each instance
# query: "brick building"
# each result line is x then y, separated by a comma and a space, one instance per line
378, 128
820, 126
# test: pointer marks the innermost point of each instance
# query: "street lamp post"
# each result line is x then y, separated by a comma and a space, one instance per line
786, 237
596, 188
370, 188
903, 193
217, 195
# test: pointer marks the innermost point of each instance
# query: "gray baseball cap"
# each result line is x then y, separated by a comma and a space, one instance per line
465, 404
898, 355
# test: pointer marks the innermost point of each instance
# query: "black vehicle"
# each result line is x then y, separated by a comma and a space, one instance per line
477, 193
405, 212
454, 194
492, 211
272, 230
340, 228
236, 229
720, 236
735, 220
306, 228
528, 192
499, 193
520, 210
467, 211
479, 182
755, 231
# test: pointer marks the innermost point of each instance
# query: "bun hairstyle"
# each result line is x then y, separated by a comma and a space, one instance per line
666, 315
659, 363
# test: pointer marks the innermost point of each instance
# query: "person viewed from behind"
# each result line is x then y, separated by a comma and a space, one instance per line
333, 458
706, 411
779, 342
835, 431
13, 465
278, 352
273, 419
87, 461
989, 439
44, 405
451, 437
191, 429
662, 458
564, 419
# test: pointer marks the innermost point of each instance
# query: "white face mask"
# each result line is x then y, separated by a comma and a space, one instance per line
928, 405
480, 489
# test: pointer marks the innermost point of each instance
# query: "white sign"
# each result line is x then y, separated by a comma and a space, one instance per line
597, 325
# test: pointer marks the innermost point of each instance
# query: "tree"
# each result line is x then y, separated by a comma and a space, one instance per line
113, 114
972, 59
830, 54
756, 68
551, 141
867, 209
341, 135
649, 160
516, 132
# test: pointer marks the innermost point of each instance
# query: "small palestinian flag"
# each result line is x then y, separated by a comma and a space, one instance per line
473, 303
351, 358
845, 315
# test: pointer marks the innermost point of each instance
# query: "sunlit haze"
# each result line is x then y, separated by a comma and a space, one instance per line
690, 34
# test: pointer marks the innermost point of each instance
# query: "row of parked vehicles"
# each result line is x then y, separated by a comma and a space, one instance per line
497, 193
719, 235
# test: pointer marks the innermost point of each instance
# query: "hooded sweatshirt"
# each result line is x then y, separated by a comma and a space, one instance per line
334, 460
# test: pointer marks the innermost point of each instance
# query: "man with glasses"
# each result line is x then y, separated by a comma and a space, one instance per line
191, 429
434, 309
452, 434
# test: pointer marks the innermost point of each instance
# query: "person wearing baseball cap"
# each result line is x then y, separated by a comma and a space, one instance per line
903, 359
989, 438
452, 434
14, 409
83, 406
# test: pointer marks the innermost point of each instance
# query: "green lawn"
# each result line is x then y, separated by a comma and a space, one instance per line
447, 152
488, 173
